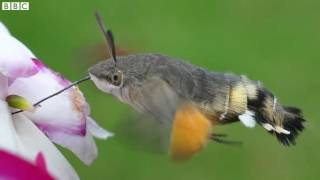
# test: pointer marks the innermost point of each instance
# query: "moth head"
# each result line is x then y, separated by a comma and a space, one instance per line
116, 72
106, 72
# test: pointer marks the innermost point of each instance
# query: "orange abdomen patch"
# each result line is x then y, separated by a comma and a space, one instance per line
190, 132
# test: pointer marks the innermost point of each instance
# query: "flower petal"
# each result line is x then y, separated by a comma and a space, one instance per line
14, 167
96, 130
63, 118
4, 30
3, 86
83, 146
10, 140
61, 113
20, 137
57, 164
15, 57
40, 161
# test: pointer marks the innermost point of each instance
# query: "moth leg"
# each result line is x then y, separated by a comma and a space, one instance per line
228, 142
213, 135
219, 139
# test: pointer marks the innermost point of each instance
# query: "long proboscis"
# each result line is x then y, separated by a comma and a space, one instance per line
56, 93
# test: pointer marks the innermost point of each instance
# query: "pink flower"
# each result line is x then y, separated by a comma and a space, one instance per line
15, 57
15, 167
64, 119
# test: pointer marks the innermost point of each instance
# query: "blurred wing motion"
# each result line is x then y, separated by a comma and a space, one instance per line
93, 53
177, 126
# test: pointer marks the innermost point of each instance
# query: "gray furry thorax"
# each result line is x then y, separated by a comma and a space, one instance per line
187, 80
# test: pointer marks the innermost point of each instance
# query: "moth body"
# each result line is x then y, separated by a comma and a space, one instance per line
222, 97
187, 100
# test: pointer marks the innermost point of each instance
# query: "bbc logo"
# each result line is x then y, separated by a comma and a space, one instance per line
15, 6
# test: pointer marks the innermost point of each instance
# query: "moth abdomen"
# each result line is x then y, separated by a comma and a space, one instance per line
235, 98
285, 123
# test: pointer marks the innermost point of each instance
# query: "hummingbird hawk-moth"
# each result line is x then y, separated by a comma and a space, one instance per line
191, 99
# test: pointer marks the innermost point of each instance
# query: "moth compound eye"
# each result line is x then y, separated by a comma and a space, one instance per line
108, 78
117, 78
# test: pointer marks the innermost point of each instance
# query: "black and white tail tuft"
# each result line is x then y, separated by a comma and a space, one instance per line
286, 123
293, 122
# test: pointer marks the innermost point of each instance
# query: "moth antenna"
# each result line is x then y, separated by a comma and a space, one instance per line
108, 37
56, 93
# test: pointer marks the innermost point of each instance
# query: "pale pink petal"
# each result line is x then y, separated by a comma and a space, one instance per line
21, 137
63, 118
83, 146
15, 168
96, 130
15, 57
62, 113
3, 29
35, 141
10, 141
3, 86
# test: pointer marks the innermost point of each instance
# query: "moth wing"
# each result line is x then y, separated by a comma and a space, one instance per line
148, 128
180, 128
155, 98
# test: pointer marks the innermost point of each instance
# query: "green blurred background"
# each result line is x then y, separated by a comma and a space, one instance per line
275, 41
